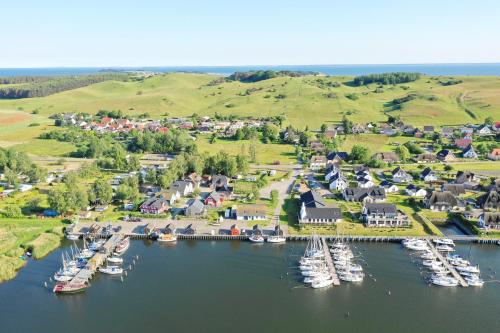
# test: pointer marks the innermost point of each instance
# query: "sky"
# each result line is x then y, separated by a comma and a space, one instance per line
101, 33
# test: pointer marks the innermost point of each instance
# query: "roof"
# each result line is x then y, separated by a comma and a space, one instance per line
426, 157
324, 213
342, 155
428, 128
440, 198
399, 170
312, 199
358, 193
338, 176
219, 180
380, 208
155, 203
444, 153
465, 176
214, 195
427, 171
495, 152
490, 199
491, 218
318, 159
180, 185
386, 184
456, 189
251, 210
196, 206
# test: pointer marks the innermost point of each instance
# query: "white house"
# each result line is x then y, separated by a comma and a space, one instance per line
338, 182
469, 152
317, 162
484, 130
401, 176
428, 175
365, 183
389, 187
415, 191
330, 171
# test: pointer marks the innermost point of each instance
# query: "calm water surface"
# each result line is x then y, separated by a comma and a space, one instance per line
202, 286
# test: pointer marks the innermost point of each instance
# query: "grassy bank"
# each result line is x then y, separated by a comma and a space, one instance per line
19, 235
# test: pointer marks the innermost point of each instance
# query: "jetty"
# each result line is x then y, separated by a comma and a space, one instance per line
329, 262
446, 264
86, 273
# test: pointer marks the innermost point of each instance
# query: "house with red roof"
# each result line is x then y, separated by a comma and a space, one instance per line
463, 143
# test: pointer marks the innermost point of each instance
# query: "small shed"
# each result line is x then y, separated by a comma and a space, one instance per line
234, 231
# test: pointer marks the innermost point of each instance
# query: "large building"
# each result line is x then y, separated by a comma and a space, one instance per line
313, 210
384, 215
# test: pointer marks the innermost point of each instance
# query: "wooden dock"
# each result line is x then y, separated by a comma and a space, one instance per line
329, 263
86, 273
446, 264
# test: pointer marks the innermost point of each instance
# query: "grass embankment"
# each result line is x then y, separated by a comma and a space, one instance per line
19, 235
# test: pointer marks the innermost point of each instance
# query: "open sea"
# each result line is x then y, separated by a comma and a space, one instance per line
335, 70
235, 286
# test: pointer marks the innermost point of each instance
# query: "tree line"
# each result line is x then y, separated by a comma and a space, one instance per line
386, 78
41, 88
255, 76
17, 166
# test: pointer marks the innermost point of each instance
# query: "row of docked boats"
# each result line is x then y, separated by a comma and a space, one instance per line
343, 260
313, 266
78, 260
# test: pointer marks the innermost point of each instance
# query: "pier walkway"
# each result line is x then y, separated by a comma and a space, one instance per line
86, 273
448, 266
329, 263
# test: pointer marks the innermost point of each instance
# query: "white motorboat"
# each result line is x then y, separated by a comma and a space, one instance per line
256, 239
417, 246
351, 277
85, 254
122, 246
111, 270
311, 279
321, 283
427, 256
445, 248
468, 269
96, 245
276, 239
429, 263
72, 237
444, 241
314, 272
62, 278
444, 281
474, 281
115, 260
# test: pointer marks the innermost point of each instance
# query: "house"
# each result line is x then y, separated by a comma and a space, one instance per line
443, 201
490, 220
469, 152
428, 175
331, 169
415, 191
250, 212
389, 187
317, 162
447, 132
313, 210
330, 133
316, 146
171, 195
468, 179
418, 133
185, 188
495, 154
194, 179
484, 130
358, 129
101, 208
455, 189
155, 205
195, 209
372, 194
467, 130
388, 157
338, 182
336, 157
490, 200
445, 155
428, 129
401, 176
496, 127
219, 183
463, 143
213, 199
365, 183
363, 174
384, 215
426, 158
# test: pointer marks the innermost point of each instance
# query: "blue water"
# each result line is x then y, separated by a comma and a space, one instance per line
429, 69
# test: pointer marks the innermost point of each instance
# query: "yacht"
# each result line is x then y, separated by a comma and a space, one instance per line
427, 256
445, 248
474, 281
122, 246
167, 238
72, 237
115, 260
276, 239
444, 241
444, 281
69, 288
429, 263
417, 246
351, 277
62, 278
256, 239
311, 279
111, 270
322, 283
468, 269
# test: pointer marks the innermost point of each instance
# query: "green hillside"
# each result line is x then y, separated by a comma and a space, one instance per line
309, 100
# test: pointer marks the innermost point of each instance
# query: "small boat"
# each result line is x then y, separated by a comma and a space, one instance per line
468, 269
444, 281
444, 241
62, 278
351, 277
427, 256
256, 239
72, 237
276, 239
115, 260
122, 246
445, 248
167, 238
474, 281
321, 283
311, 279
429, 263
417, 246
111, 270
69, 288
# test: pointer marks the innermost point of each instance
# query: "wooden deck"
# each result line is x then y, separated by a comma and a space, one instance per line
448, 266
329, 263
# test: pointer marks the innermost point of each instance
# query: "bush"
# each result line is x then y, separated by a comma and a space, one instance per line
352, 96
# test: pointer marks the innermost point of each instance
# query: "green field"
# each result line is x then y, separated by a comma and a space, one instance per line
305, 103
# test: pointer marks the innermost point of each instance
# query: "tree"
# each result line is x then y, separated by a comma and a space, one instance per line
252, 153
12, 211
347, 125
242, 164
274, 197
270, 133
134, 164
403, 153
324, 127
360, 154
101, 191
11, 177
488, 121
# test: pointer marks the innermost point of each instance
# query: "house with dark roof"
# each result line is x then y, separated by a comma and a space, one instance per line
214, 199
443, 201
171, 195
484, 130
447, 132
357, 194
314, 210
428, 129
490, 220
426, 158
455, 189
384, 215
490, 200
317, 162
389, 187
155, 205
185, 188
338, 182
428, 175
401, 176
469, 152
415, 191
219, 182
196, 208
337, 156
468, 179
250, 212
445, 155
331, 169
